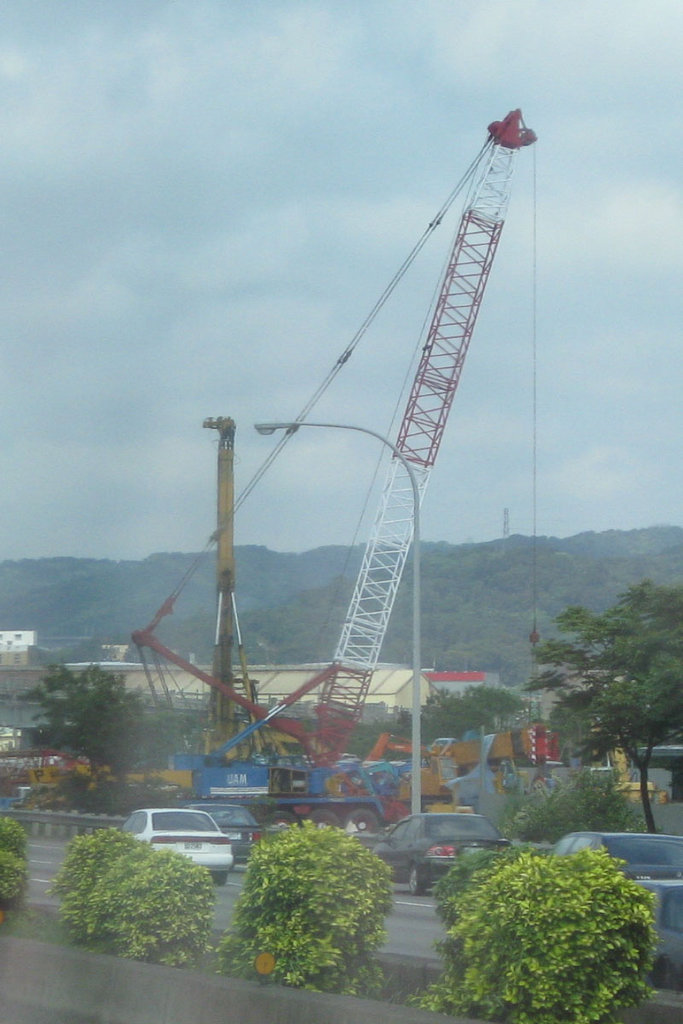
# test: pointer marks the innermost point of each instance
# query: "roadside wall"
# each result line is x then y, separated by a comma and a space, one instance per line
44, 984
36, 978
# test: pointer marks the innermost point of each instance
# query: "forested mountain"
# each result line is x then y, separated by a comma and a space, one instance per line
477, 599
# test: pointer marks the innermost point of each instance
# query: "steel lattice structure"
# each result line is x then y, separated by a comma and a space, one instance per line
344, 684
420, 433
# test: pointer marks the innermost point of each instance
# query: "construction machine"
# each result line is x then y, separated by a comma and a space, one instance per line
513, 760
236, 765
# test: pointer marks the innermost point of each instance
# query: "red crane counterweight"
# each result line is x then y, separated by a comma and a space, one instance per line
511, 132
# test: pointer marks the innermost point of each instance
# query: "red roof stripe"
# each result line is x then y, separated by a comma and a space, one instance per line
456, 677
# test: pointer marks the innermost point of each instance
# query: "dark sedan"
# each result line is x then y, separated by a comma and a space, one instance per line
646, 855
667, 970
420, 849
237, 823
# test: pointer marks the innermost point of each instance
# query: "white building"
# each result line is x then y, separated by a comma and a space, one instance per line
16, 646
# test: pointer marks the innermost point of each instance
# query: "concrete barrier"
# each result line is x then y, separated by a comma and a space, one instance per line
61, 824
65, 824
45, 984
40, 979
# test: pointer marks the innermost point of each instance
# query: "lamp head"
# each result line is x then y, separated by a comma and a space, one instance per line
270, 428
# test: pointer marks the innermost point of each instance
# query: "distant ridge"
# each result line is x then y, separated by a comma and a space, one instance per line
476, 598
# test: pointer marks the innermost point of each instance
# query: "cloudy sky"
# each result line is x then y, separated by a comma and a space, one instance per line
202, 199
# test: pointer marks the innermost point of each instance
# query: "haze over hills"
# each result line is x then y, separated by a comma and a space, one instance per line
477, 599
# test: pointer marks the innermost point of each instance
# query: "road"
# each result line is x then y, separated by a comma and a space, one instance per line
412, 925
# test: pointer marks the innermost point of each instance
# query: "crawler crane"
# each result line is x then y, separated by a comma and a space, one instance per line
343, 685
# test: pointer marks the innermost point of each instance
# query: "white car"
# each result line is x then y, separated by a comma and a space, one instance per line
193, 833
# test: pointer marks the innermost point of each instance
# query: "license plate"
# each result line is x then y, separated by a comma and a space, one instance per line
233, 835
193, 846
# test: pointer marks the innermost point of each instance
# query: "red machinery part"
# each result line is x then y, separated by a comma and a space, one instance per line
511, 132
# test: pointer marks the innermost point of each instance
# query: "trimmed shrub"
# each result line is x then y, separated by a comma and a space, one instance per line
86, 860
13, 880
12, 837
13, 864
315, 899
120, 896
548, 940
586, 801
157, 906
470, 870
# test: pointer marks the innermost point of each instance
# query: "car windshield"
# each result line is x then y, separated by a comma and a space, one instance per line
465, 826
646, 850
182, 821
231, 816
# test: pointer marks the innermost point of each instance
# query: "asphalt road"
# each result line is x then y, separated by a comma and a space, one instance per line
412, 926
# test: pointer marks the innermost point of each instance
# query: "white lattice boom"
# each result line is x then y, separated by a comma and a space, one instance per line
424, 421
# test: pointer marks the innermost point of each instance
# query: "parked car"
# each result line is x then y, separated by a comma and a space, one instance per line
237, 823
646, 855
667, 970
193, 833
421, 848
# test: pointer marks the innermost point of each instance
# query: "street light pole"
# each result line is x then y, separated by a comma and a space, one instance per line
416, 733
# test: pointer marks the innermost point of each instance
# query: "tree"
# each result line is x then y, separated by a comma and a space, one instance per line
624, 668
163, 731
479, 707
586, 801
90, 714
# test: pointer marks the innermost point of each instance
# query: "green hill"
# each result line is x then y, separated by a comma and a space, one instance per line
477, 599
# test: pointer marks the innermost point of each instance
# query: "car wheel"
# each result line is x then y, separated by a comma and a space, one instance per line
416, 886
321, 817
283, 819
219, 877
362, 820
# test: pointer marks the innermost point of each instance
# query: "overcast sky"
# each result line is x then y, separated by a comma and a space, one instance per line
202, 199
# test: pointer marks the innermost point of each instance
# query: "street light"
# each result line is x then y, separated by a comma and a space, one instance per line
416, 739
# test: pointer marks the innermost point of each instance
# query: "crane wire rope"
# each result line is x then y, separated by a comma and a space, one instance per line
534, 637
336, 368
382, 454
367, 322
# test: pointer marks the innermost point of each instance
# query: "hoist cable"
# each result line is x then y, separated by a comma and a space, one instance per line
348, 351
379, 304
338, 365
400, 400
534, 403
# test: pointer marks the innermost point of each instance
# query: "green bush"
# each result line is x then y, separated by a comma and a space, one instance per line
315, 899
13, 880
86, 859
548, 940
13, 864
155, 906
104, 794
587, 801
120, 896
12, 837
468, 870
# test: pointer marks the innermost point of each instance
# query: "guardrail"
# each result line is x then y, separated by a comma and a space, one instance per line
61, 824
